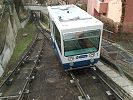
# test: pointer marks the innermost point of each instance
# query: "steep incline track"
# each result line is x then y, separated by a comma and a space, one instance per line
15, 86
90, 86
51, 82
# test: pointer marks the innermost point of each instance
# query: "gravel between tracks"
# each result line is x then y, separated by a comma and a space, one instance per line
51, 82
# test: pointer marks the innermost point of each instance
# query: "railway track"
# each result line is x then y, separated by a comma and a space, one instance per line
104, 80
51, 82
92, 86
17, 84
45, 32
89, 82
76, 81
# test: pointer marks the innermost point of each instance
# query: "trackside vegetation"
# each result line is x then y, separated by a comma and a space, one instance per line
23, 40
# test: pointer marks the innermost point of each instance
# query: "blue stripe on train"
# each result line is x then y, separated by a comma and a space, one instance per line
79, 64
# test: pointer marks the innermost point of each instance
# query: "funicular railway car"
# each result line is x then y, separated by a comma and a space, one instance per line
76, 36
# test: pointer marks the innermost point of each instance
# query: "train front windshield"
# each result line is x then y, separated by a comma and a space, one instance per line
81, 42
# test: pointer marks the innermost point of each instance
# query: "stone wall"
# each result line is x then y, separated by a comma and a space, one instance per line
9, 31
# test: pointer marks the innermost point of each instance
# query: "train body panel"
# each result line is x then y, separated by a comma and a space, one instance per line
76, 36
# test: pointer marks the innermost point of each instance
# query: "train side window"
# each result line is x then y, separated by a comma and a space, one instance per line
57, 37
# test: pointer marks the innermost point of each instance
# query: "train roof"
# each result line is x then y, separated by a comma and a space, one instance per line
71, 16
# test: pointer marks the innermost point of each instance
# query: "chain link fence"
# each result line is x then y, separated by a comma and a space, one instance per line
118, 49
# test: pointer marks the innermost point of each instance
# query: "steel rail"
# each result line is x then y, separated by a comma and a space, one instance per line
76, 81
42, 30
103, 80
26, 83
29, 77
23, 58
19, 62
7, 97
36, 61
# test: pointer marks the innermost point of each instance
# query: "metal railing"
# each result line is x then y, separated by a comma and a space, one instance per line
114, 50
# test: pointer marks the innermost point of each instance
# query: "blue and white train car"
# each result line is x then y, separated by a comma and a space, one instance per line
76, 36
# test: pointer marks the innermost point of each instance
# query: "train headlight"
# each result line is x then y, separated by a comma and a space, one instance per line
92, 60
70, 58
71, 63
91, 54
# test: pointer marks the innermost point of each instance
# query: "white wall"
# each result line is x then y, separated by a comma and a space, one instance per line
114, 10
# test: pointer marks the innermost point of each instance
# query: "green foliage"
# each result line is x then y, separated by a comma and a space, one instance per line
23, 15
42, 1
1, 2
120, 27
21, 11
18, 5
7, 2
22, 42
84, 7
108, 23
123, 10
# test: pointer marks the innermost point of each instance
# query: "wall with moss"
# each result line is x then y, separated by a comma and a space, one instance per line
9, 26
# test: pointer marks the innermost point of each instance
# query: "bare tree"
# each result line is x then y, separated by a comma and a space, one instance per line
71, 1
66, 1
42, 1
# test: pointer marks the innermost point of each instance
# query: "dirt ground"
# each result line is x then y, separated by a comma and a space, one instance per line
51, 82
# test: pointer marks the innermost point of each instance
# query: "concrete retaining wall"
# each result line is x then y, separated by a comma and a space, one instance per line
11, 29
24, 22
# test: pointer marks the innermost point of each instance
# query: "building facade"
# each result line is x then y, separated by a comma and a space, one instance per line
110, 8
113, 9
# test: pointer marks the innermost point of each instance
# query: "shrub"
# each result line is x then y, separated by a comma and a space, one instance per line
109, 24
84, 7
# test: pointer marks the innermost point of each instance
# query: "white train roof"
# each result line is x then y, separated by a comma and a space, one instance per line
71, 16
